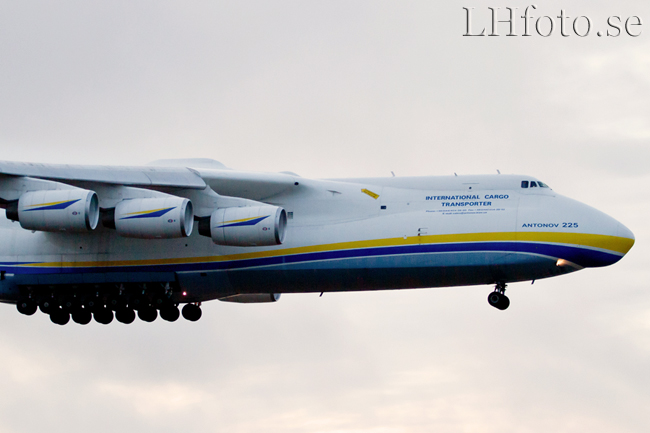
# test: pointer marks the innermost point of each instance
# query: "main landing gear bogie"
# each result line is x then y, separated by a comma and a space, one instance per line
105, 305
498, 298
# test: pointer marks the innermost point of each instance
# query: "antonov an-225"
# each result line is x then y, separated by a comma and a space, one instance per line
86, 242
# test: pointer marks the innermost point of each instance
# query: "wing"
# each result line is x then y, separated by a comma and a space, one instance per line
178, 174
137, 201
132, 176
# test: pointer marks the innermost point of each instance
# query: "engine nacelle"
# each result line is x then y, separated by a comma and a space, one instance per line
70, 210
252, 298
248, 226
154, 218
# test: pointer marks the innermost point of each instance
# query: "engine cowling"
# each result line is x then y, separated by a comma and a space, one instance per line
252, 298
248, 226
70, 210
154, 218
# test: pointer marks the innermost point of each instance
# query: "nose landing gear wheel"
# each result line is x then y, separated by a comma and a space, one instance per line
498, 299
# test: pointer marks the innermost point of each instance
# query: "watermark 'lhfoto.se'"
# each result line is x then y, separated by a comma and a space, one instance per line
547, 25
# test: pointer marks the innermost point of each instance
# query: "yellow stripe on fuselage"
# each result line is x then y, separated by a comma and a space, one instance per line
614, 244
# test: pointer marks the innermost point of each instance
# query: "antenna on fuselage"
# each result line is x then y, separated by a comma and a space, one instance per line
392, 173
455, 174
498, 171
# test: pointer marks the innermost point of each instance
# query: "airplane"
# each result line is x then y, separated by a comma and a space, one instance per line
109, 242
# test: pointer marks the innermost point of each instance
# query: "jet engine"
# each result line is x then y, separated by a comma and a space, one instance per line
70, 210
154, 218
252, 298
248, 226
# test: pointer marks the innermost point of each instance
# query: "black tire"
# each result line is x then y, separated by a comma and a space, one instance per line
503, 303
94, 304
116, 302
125, 315
138, 302
48, 305
103, 315
148, 314
170, 313
160, 302
494, 299
82, 316
27, 306
59, 316
192, 312
70, 304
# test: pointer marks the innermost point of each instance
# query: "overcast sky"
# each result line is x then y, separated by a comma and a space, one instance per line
328, 89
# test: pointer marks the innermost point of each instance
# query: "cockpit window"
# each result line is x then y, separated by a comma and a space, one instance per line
533, 184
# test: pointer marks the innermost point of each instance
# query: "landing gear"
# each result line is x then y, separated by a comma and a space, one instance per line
81, 315
192, 312
47, 305
148, 313
116, 302
27, 306
103, 315
125, 315
170, 313
498, 299
59, 316
108, 302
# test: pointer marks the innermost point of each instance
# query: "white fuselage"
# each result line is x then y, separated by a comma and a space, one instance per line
353, 234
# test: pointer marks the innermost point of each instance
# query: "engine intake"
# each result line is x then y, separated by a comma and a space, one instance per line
154, 218
71, 210
248, 226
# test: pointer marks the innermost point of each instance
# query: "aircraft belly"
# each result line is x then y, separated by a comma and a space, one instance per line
396, 272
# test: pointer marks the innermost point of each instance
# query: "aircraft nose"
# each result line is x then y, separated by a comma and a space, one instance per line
611, 239
628, 237
581, 234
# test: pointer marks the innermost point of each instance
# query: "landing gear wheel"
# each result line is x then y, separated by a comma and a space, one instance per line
192, 312
498, 298
148, 313
160, 302
27, 306
94, 304
138, 302
47, 305
59, 316
116, 302
82, 316
170, 313
70, 304
125, 315
103, 315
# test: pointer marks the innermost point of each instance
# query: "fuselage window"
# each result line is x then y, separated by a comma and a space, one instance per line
524, 184
533, 184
